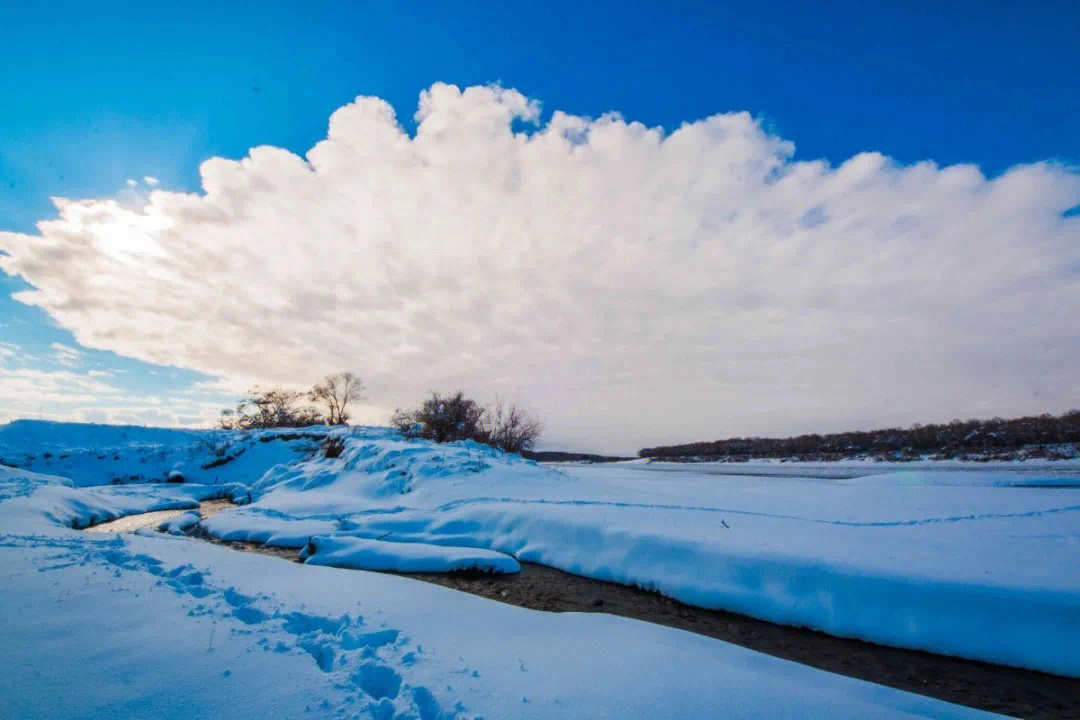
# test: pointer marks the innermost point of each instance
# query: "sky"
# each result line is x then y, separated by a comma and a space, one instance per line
647, 223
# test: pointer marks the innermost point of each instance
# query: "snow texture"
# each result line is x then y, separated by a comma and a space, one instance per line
975, 562
147, 625
363, 554
180, 525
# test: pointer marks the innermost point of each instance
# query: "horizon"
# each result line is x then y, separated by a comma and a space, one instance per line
648, 228
541, 448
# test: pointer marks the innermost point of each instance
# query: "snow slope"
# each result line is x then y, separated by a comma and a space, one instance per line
975, 562
98, 625
120, 454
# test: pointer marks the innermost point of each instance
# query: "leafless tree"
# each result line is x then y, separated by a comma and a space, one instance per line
510, 427
335, 392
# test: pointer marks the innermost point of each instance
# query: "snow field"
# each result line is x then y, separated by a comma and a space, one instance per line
975, 563
148, 625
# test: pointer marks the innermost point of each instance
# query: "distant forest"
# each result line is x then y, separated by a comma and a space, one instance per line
558, 456
1044, 436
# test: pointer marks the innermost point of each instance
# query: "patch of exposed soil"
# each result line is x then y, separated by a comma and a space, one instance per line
210, 508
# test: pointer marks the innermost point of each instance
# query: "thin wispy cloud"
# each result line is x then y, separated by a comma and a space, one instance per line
631, 285
66, 355
66, 395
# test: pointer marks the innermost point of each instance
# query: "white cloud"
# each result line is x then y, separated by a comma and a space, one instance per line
70, 396
32, 390
633, 287
66, 355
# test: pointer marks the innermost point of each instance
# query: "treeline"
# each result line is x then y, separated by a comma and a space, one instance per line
560, 456
1042, 436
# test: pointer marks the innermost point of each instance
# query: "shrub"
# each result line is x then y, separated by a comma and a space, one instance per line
442, 419
273, 408
446, 418
510, 428
332, 447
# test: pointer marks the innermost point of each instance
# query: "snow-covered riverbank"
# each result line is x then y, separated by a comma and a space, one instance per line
154, 621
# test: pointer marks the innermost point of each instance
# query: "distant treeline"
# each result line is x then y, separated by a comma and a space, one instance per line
1044, 436
558, 456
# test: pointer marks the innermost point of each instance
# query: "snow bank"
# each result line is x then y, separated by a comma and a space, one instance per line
975, 562
197, 630
112, 455
21, 483
959, 566
180, 525
363, 554
56, 502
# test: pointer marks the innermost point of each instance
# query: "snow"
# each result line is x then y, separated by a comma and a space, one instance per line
1012, 473
363, 554
117, 454
108, 626
180, 524
160, 625
979, 564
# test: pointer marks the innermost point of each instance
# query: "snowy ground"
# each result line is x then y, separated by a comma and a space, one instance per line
152, 625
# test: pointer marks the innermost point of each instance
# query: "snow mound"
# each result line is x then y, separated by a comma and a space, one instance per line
365, 554
180, 525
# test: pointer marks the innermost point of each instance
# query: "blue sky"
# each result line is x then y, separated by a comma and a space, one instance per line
97, 94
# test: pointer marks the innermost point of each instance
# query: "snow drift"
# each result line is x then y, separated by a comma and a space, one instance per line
361, 554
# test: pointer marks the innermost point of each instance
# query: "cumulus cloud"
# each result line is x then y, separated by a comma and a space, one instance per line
632, 286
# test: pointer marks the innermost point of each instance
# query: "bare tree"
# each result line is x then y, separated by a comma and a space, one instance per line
335, 392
